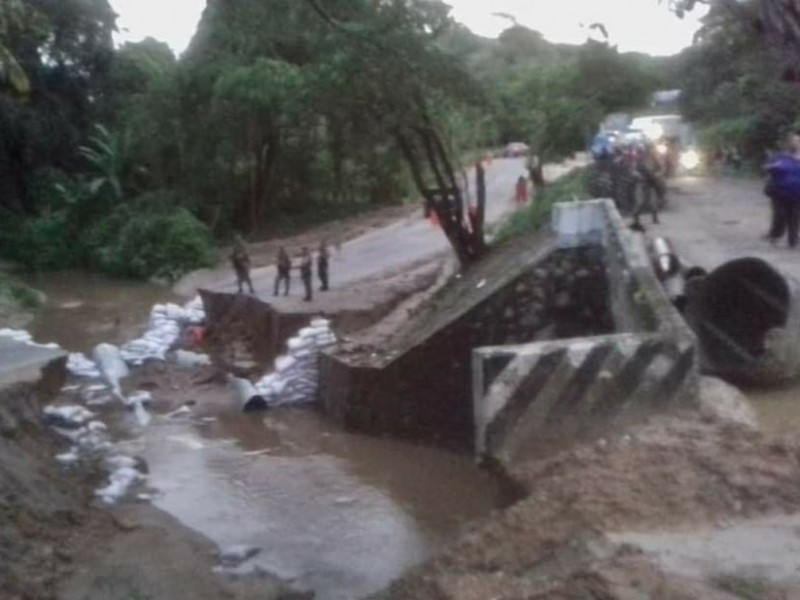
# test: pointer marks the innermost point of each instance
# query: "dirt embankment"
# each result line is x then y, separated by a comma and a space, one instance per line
695, 470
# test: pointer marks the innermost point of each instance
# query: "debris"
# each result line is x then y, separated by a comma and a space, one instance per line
236, 555
69, 417
481, 284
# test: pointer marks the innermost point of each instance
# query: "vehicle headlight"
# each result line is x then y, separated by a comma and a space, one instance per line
654, 131
662, 149
690, 159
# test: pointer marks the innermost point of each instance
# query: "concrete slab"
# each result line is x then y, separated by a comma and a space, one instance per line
23, 363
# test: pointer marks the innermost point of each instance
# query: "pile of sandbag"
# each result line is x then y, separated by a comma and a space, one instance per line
163, 331
296, 376
89, 441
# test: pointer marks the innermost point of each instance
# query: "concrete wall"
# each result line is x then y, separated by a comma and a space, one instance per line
549, 394
424, 389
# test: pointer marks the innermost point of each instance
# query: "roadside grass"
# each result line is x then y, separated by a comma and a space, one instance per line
530, 219
18, 294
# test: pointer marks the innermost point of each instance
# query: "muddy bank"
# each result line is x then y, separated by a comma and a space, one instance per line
694, 471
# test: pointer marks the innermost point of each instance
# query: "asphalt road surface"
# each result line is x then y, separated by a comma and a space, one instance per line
399, 245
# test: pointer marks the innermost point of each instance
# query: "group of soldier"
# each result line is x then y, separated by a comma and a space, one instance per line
240, 260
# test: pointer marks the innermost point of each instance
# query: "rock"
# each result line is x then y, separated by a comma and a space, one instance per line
720, 401
236, 555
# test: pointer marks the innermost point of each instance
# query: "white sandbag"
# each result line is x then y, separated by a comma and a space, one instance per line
68, 458
67, 416
320, 323
175, 312
185, 358
79, 365
112, 367
19, 335
120, 481
297, 344
284, 363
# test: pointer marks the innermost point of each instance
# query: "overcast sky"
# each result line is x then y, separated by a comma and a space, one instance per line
633, 25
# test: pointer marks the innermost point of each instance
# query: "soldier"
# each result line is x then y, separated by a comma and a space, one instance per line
284, 271
648, 169
322, 267
305, 273
241, 264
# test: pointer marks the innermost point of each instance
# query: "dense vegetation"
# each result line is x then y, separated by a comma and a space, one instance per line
281, 112
740, 84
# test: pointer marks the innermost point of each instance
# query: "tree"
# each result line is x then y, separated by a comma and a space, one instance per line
57, 54
776, 23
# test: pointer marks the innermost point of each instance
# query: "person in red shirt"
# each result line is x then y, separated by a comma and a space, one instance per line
522, 190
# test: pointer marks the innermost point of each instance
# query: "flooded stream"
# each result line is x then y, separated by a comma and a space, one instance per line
337, 513
85, 309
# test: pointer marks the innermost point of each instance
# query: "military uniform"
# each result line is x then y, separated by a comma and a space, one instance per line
284, 272
322, 268
305, 275
241, 266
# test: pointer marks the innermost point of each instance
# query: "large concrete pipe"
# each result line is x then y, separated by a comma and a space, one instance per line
247, 395
111, 366
747, 319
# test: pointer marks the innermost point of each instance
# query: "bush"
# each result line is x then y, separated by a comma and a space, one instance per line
18, 294
43, 243
144, 241
531, 218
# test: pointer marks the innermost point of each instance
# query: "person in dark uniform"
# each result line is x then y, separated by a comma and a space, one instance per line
322, 267
653, 188
284, 271
305, 273
241, 264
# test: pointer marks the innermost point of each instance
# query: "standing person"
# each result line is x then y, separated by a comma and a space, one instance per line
322, 267
648, 168
284, 271
305, 273
521, 193
241, 264
535, 171
783, 188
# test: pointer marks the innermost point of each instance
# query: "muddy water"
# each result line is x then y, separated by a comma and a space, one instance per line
84, 309
777, 408
338, 513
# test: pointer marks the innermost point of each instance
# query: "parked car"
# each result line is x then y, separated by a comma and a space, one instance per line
515, 149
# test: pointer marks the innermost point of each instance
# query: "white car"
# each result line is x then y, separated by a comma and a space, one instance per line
515, 149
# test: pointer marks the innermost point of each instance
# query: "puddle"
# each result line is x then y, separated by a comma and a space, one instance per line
778, 408
764, 548
338, 513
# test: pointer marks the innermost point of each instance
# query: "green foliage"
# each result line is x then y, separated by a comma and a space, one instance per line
734, 89
532, 217
144, 241
18, 294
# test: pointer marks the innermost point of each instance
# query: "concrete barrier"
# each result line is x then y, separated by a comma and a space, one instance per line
533, 398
